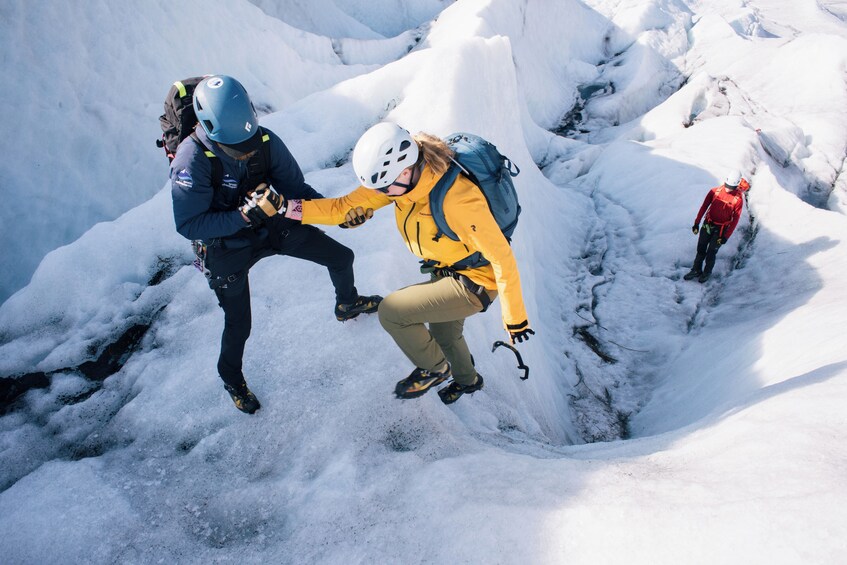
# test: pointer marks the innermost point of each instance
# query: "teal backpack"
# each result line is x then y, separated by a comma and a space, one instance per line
492, 172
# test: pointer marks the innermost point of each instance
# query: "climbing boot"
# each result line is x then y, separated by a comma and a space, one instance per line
362, 305
419, 382
704, 277
451, 393
243, 398
692, 274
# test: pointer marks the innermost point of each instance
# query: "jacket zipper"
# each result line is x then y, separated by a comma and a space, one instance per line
420, 250
405, 231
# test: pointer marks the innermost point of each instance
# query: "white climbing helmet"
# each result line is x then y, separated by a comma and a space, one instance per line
732, 179
382, 153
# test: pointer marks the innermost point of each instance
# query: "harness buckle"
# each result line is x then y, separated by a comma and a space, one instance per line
476, 289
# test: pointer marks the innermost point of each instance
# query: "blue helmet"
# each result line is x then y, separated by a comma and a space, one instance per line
224, 110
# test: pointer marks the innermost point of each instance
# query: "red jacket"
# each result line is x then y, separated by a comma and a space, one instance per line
724, 208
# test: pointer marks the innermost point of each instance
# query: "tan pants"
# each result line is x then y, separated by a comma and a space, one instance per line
443, 303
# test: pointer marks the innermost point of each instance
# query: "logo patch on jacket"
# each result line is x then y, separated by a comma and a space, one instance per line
183, 179
229, 183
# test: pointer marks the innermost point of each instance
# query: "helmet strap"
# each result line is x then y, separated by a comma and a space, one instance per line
413, 181
405, 186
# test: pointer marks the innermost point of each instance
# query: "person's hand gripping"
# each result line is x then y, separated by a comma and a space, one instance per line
263, 203
356, 217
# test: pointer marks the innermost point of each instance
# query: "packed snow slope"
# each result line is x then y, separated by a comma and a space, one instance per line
664, 421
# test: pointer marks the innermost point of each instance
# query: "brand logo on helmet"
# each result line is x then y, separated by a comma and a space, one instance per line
248, 126
215, 82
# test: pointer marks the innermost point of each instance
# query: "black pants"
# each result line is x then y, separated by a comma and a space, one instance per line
229, 262
707, 248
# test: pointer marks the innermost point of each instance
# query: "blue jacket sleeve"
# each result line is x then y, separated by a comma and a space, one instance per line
192, 193
285, 174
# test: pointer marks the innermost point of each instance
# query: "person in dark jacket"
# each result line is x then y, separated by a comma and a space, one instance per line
222, 201
722, 207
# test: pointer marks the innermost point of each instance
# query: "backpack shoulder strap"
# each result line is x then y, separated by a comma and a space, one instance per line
217, 166
263, 158
259, 165
436, 202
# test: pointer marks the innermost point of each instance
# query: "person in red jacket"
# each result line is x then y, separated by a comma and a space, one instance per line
722, 207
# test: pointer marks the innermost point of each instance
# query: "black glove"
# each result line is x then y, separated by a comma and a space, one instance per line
263, 203
356, 217
695, 229
519, 332
720, 241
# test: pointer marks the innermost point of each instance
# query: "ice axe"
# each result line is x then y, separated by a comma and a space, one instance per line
518, 355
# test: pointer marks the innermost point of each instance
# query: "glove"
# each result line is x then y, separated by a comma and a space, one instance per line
356, 217
263, 203
720, 241
519, 332
695, 229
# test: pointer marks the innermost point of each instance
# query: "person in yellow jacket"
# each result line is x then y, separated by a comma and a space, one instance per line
396, 168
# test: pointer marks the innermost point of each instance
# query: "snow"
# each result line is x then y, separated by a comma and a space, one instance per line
664, 421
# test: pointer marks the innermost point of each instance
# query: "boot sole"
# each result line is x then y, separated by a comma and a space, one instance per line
345, 318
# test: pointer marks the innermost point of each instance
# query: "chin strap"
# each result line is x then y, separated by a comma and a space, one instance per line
416, 176
407, 187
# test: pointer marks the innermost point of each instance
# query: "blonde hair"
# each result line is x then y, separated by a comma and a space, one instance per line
435, 152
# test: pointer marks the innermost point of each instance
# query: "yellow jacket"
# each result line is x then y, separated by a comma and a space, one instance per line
466, 212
